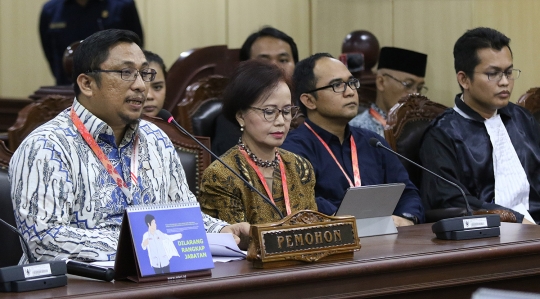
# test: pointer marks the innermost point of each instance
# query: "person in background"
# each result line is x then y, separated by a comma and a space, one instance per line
340, 154
486, 144
400, 72
63, 22
73, 177
272, 45
258, 101
158, 87
269, 44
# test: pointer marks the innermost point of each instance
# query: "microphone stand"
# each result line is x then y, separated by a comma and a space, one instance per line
26, 250
32, 276
379, 145
457, 228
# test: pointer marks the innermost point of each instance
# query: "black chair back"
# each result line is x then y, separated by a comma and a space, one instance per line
405, 126
408, 145
190, 161
204, 118
11, 244
193, 157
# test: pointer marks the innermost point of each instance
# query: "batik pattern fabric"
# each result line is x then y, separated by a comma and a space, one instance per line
65, 202
225, 196
366, 121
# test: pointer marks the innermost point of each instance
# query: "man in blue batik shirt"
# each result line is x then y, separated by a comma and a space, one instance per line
327, 93
73, 177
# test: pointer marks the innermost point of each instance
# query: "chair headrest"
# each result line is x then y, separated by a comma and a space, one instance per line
204, 117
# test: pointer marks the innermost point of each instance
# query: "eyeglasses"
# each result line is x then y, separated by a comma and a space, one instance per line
410, 86
130, 74
270, 114
511, 74
340, 87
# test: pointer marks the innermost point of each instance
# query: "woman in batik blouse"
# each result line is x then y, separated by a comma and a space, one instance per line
258, 99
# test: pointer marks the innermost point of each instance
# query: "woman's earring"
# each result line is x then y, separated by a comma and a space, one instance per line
241, 128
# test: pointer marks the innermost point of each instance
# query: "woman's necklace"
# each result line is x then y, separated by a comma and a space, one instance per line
259, 162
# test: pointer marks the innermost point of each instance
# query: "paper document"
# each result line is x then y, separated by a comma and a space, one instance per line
520, 208
104, 264
223, 247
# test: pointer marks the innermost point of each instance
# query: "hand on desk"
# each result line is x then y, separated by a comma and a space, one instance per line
240, 232
400, 221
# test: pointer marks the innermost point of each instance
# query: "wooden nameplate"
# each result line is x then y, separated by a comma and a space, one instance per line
303, 237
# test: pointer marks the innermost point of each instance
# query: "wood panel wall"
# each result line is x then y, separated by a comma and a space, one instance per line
174, 26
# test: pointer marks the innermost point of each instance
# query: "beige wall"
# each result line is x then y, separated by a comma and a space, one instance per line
174, 26
23, 64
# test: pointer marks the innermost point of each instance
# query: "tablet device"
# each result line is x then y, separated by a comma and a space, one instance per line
372, 206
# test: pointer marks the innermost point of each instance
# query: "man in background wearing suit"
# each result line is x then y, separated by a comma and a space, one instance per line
63, 22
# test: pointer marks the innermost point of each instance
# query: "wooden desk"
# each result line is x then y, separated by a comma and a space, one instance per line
411, 264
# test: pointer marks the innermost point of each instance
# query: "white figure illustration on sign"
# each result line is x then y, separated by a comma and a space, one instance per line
160, 246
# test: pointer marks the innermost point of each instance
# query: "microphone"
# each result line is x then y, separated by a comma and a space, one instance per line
55, 269
32, 276
89, 270
457, 228
167, 116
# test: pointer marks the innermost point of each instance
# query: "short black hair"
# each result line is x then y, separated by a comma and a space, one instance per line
153, 57
467, 46
148, 219
252, 79
304, 78
245, 51
94, 50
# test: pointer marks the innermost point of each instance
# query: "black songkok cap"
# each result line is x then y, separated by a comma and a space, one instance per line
403, 60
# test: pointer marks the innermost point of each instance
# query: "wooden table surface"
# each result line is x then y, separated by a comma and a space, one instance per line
410, 264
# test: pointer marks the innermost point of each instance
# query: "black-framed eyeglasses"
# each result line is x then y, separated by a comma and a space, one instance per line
511, 74
130, 74
410, 86
340, 87
270, 114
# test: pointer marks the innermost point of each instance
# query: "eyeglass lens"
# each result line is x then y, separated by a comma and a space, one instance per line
510, 75
130, 74
270, 114
342, 86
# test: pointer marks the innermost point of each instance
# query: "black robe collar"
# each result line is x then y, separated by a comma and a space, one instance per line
473, 114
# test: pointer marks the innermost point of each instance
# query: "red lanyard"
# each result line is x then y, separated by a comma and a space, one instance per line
377, 116
354, 158
103, 158
265, 185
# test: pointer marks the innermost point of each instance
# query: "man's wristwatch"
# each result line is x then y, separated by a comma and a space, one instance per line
410, 217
